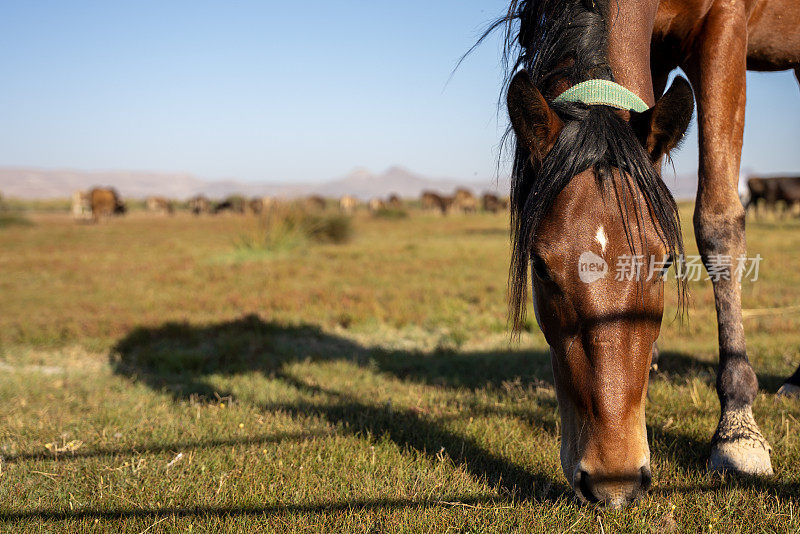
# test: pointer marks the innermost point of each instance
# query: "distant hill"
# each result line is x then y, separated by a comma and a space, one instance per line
31, 183
45, 183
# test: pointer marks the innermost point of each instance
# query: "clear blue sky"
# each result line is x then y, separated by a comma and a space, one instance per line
279, 91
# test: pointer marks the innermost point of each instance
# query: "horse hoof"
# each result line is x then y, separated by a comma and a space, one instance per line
789, 390
741, 457
738, 446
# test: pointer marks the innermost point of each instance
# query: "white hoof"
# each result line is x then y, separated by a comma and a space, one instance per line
788, 390
739, 447
742, 457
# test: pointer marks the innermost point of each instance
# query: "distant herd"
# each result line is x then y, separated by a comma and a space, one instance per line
773, 194
101, 202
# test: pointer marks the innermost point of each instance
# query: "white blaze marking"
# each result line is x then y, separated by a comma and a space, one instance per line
601, 238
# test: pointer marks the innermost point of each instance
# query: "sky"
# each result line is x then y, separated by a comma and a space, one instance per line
284, 91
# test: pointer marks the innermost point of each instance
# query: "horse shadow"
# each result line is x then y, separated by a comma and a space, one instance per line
677, 365
180, 359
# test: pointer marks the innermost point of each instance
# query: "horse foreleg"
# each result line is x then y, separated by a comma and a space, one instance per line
718, 73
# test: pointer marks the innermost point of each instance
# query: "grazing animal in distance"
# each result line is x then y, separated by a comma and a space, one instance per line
199, 205
428, 201
233, 204
256, 205
768, 192
789, 193
348, 204
761, 189
105, 202
432, 201
160, 205
81, 206
315, 203
493, 203
376, 204
394, 202
464, 200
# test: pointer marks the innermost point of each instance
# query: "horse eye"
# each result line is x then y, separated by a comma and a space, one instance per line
540, 268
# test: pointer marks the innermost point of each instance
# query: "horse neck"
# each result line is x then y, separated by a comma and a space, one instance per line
630, 32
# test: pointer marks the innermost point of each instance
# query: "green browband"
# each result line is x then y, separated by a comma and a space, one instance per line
603, 92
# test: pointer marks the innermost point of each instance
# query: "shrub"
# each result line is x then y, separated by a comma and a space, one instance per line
285, 227
328, 228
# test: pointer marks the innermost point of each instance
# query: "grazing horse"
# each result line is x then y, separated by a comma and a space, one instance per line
586, 191
492, 203
232, 204
376, 204
348, 204
759, 189
771, 191
315, 203
789, 193
199, 205
394, 202
431, 201
81, 206
160, 205
464, 200
105, 201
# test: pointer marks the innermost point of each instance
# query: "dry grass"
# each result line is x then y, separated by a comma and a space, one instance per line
154, 379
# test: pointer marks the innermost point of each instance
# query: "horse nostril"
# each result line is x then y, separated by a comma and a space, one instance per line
647, 478
584, 484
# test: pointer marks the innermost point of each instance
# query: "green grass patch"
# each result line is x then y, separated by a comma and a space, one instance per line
14, 219
367, 386
390, 213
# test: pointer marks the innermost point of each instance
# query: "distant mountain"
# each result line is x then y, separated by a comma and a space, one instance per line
362, 183
44, 183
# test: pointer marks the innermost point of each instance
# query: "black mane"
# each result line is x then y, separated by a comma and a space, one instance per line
561, 43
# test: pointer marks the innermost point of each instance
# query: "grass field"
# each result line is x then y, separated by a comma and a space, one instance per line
156, 377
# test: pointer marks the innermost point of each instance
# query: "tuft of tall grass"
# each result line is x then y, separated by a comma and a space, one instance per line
285, 227
334, 228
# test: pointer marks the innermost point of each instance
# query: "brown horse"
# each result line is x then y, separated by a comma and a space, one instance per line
586, 189
199, 205
465, 201
492, 203
105, 202
432, 201
160, 205
771, 191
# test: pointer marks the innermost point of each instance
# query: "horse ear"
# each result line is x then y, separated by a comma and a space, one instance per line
535, 123
661, 128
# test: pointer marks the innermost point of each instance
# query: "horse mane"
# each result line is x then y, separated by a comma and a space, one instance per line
561, 43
